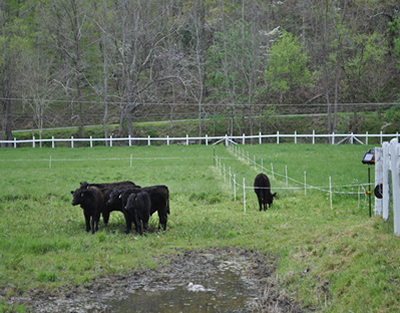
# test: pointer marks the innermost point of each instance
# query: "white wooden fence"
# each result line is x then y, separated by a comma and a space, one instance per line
333, 138
387, 159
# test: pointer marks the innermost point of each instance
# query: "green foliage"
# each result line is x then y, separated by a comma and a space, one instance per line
394, 27
287, 65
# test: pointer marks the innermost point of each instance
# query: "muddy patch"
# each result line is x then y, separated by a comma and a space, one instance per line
233, 280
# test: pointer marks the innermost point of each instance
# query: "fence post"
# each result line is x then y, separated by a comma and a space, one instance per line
386, 185
259, 138
206, 140
230, 178
381, 138
244, 195
351, 138
130, 142
277, 137
394, 157
333, 138
295, 137
272, 170
234, 186
366, 138
378, 178
52, 142
15, 142
33, 141
148, 140
313, 137
167, 140
72, 141
286, 175
243, 139
330, 191
110, 141
91, 142
187, 139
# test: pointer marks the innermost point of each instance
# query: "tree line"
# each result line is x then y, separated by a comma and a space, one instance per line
81, 56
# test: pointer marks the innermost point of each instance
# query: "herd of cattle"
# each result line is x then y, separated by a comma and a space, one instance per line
138, 204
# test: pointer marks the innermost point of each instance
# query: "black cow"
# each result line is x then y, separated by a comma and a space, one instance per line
107, 189
159, 198
138, 209
91, 200
262, 188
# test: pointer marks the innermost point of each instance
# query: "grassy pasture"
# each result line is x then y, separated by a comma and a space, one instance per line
336, 260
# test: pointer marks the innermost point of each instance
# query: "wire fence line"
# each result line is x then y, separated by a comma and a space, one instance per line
329, 189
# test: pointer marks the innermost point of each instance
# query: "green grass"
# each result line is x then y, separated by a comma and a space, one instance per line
330, 260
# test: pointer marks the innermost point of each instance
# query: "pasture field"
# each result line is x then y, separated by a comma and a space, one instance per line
338, 260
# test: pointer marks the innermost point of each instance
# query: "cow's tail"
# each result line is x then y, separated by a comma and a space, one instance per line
167, 204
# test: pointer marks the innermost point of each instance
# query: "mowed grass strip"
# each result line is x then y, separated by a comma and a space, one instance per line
330, 260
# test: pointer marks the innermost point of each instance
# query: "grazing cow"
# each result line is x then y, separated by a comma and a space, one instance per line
137, 209
91, 200
107, 189
262, 188
159, 198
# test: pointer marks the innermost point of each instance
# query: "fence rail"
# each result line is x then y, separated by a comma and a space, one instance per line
227, 139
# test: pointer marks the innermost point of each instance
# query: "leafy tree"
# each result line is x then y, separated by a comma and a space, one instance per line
395, 28
287, 65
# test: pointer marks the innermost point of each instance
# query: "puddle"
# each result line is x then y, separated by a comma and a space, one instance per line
226, 291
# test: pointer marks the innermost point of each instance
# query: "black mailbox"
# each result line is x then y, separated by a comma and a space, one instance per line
369, 157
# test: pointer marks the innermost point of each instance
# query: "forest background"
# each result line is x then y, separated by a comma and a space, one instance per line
88, 62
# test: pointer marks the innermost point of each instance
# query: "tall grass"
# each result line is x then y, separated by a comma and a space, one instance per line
331, 260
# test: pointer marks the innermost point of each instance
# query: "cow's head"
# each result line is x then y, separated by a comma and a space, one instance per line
131, 203
115, 196
271, 198
78, 196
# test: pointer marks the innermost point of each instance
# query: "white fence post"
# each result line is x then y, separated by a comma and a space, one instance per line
330, 191
395, 162
378, 178
295, 137
366, 139
130, 142
351, 138
277, 137
244, 195
243, 139
167, 140
385, 181
234, 187
52, 142
187, 139
33, 141
148, 140
110, 141
15, 142
313, 137
91, 142
72, 141
206, 140
333, 138
259, 138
